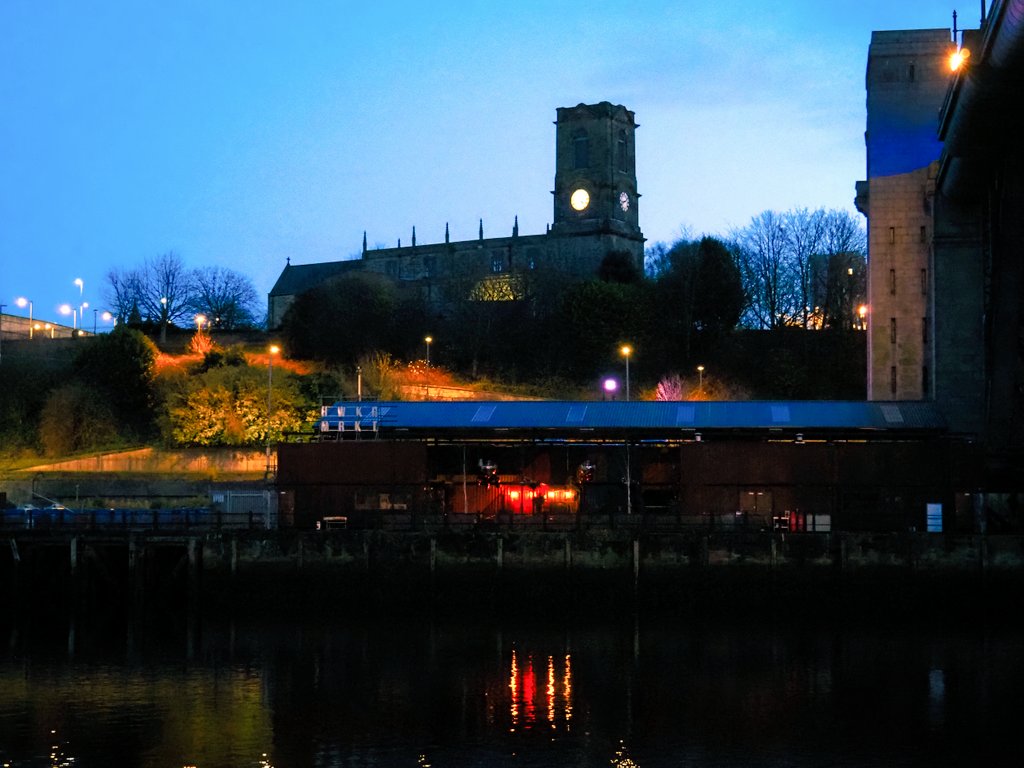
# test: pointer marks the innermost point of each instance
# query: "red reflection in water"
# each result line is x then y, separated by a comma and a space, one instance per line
524, 705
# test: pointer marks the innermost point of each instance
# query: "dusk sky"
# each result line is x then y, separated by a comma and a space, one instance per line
240, 134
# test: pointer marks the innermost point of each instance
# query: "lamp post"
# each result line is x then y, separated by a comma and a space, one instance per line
700, 379
67, 309
428, 340
163, 319
21, 301
626, 351
273, 350
81, 287
200, 319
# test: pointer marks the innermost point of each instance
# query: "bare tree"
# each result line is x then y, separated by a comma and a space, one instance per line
227, 298
804, 231
166, 293
842, 282
123, 293
766, 269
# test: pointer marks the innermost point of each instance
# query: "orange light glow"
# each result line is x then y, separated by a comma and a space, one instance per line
958, 59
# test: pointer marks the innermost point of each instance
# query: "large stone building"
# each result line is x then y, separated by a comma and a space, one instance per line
596, 213
945, 205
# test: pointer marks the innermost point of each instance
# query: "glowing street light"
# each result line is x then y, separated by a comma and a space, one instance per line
958, 59
81, 286
67, 309
700, 380
428, 340
626, 351
610, 386
272, 350
200, 319
862, 313
21, 301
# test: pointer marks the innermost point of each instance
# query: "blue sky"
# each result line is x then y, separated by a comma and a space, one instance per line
242, 133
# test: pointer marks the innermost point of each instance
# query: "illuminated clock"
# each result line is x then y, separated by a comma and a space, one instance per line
623, 201
579, 199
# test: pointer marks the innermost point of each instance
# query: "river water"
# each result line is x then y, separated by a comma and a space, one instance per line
621, 691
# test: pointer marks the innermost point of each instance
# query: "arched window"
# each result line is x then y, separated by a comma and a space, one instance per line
621, 152
580, 149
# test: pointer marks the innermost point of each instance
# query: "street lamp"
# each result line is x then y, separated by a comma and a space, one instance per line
200, 319
67, 309
626, 351
273, 350
700, 380
862, 313
81, 286
21, 301
428, 340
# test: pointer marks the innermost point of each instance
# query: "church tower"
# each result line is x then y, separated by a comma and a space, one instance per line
595, 178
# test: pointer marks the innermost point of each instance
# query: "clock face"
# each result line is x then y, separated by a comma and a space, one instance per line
579, 199
623, 201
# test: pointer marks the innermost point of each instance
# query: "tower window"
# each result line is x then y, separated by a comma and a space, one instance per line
892, 330
924, 282
580, 149
892, 282
497, 264
892, 235
924, 235
911, 73
892, 379
621, 152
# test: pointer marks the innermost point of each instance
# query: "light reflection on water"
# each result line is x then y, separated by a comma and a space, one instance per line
440, 695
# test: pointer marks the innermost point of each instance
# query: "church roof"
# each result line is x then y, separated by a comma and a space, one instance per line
298, 278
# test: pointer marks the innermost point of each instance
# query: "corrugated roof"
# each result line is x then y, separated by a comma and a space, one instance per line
663, 417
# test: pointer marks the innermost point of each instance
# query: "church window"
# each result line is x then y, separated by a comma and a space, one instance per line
924, 282
621, 152
892, 379
392, 268
497, 263
924, 235
892, 282
430, 265
892, 330
912, 72
580, 149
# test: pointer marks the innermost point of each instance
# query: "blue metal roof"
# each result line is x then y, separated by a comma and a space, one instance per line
660, 416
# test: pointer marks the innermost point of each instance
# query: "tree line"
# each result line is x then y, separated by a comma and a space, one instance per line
782, 271
163, 291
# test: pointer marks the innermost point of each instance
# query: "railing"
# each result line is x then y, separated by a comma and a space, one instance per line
174, 519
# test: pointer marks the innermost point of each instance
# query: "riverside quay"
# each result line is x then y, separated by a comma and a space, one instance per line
814, 466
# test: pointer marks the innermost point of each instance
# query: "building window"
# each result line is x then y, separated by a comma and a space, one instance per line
924, 282
892, 380
621, 151
892, 235
497, 264
924, 379
924, 329
430, 265
892, 282
580, 149
924, 234
892, 330
911, 73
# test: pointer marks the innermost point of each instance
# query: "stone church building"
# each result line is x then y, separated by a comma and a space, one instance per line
596, 213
